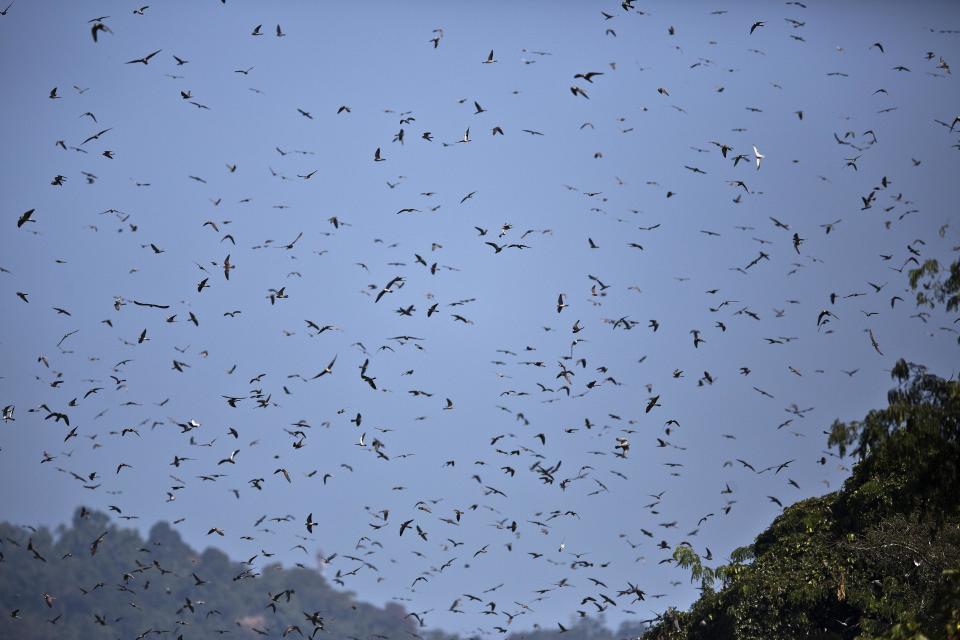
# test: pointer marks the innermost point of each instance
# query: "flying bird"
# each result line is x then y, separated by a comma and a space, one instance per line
146, 59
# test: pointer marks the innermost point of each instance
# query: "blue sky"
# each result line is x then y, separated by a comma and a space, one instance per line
720, 84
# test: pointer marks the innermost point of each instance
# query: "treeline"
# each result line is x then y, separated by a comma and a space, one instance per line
52, 587
133, 586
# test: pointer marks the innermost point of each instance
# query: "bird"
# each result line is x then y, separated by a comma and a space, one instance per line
651, 403
146, 59
589, 76
388, 288
98, 27
25, 217
873, 342
326, 370
96, 136
95, 545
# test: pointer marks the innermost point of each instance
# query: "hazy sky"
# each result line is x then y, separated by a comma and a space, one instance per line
597, 173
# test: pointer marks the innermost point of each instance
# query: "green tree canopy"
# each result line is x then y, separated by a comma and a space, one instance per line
878, 559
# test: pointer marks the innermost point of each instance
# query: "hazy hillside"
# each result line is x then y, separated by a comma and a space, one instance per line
133, 587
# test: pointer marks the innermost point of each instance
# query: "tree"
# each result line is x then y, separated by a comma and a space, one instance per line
933, 289
878, 559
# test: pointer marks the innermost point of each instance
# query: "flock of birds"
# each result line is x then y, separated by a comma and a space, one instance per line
530, 490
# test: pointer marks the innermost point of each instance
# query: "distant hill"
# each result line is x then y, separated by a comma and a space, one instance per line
136, 588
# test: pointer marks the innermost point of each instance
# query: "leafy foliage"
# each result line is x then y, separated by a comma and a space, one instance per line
933, 289
878, 559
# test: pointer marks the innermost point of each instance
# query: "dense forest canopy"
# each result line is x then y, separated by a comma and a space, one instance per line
879, 558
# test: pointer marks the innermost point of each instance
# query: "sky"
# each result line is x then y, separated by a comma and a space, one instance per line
635, 161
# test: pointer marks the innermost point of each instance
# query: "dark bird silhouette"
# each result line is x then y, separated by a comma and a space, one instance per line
146, 59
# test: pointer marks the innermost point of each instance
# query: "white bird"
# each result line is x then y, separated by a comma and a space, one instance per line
758, 156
